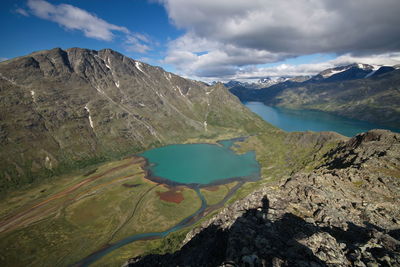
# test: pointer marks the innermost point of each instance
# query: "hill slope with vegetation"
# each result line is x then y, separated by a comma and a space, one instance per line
374, 99
65, 109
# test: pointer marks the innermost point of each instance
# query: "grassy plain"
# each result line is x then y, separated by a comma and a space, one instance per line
59, 223
215, 194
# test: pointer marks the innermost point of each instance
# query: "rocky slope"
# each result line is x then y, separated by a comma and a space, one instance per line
342, 91
63, 109
344, 213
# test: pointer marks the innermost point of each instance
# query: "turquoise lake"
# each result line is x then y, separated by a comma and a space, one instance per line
292, 120
201, 163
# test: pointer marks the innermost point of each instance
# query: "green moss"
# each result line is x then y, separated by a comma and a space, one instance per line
358, 183
213, 197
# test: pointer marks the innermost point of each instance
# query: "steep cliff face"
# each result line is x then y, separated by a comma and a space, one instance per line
344, 213
64, 108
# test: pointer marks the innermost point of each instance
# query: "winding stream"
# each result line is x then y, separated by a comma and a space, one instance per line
195, 166
146, 236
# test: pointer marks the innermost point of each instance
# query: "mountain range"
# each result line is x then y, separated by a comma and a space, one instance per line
64, 109
347, 72
322, 199
358, 91
265, 82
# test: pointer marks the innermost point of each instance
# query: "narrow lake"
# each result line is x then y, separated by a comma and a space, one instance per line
292, 120
200, 163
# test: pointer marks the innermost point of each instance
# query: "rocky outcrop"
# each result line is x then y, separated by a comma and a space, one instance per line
344, 213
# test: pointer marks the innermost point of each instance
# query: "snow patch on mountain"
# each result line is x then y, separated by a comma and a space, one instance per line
138, 66
375, 68
333, 72
90, 117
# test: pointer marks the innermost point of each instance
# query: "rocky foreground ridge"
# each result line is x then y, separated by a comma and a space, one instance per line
344, 213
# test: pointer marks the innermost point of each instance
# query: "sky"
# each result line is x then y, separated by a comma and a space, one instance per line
212, 39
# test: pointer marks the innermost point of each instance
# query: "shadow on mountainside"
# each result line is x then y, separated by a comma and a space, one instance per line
255, 240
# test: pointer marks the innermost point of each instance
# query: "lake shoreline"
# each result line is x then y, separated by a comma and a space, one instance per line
150, 175
301, 120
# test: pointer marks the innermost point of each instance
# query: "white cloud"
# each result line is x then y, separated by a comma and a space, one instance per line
74, 18
200, 57
239, 33
22, 12
137, 43
295, 26
3, 59
254, 73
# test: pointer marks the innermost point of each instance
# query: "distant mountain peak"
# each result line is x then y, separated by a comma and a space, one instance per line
272, 80
333, 71
339, 73
364, 66
349, 72
266, 82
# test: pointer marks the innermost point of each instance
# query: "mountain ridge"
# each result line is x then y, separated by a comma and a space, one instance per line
359, 71
347, 93
62, 109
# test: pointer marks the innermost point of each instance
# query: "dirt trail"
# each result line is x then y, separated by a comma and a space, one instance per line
131, 215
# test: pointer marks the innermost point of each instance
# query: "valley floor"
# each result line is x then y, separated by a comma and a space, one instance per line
64, 221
